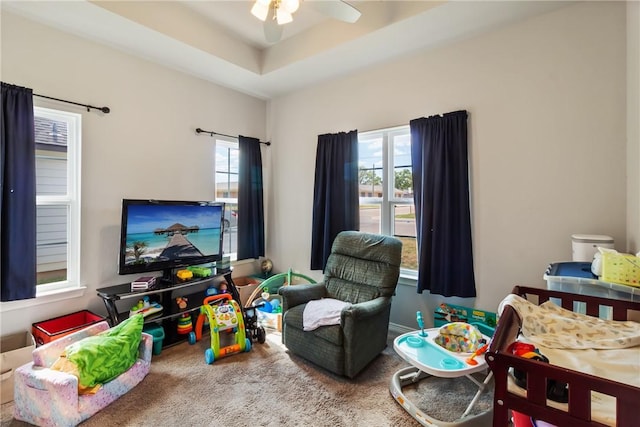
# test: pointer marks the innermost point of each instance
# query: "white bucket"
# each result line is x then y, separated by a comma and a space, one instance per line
585, 246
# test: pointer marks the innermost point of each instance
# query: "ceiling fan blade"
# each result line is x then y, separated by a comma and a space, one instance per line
337, 9
272, 31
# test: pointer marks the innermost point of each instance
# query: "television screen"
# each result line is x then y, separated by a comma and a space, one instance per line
166, 234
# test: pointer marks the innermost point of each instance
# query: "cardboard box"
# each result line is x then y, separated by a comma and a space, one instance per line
246, 286
447, 313
270, 320
58, 327
16, 351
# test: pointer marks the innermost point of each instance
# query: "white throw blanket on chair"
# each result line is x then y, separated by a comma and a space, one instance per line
322, 312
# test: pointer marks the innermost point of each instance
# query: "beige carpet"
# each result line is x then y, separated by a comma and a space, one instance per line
267, 387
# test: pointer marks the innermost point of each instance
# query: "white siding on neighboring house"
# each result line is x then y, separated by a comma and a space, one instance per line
51, 238
51, 174
51, 180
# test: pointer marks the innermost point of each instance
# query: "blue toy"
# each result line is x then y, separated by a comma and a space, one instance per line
265, 306
420, 324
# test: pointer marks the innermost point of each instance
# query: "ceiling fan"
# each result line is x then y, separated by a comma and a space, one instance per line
276, 13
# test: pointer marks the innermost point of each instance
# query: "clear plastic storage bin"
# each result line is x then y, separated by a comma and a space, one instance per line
576, 278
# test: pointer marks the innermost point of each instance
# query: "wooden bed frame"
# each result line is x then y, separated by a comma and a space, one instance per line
538, 373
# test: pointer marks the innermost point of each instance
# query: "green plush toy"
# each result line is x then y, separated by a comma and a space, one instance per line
101, 358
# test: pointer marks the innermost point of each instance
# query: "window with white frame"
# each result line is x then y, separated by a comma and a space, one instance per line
58, 142
227, 157
386, 194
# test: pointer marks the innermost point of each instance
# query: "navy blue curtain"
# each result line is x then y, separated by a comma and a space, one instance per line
335, 193
250, 203
439, 160
18, 201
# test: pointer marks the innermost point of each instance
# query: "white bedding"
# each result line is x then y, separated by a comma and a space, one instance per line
552, 326
620, 362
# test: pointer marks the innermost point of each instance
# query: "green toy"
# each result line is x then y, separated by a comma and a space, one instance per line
222, 317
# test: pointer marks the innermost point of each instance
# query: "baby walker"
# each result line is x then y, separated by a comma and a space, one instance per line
428, 358
223, 316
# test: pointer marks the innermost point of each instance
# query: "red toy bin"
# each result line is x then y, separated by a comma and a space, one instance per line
58, 327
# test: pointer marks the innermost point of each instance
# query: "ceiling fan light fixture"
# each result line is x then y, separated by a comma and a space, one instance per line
261, 9
283, 16
276, 13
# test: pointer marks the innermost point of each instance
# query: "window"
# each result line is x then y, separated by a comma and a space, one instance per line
58, 137
227, 153
386, 195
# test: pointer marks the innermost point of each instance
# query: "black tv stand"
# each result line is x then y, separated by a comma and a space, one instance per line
168, 278
119, 299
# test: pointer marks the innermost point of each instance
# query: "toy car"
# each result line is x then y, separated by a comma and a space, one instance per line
200, 271
184, 274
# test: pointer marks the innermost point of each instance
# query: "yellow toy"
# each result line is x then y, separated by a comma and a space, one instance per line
222, 317
184, 274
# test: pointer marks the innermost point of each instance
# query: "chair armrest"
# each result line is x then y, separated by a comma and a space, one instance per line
47, 354
301, 294
145, 347
365, 325
357, 312
61, 387
58, 383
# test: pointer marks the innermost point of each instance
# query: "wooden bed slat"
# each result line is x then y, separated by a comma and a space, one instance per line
580, 403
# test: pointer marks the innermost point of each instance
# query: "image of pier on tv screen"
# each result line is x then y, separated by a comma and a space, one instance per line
157, 233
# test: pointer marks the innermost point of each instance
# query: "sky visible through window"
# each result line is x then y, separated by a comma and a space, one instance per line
371, 151
227, 160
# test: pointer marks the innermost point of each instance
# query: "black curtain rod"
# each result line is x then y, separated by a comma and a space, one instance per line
211, 133
105, 110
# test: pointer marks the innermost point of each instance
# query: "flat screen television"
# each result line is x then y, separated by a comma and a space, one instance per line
163, 235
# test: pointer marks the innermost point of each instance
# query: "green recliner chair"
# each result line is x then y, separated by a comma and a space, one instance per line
363, 270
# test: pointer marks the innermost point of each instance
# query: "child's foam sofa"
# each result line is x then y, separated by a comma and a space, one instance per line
48, 397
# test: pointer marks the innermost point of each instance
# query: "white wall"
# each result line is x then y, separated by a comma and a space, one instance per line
547, 115
145, 148
633, 126
548, 137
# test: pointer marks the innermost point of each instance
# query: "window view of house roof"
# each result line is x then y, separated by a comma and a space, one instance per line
50, 131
